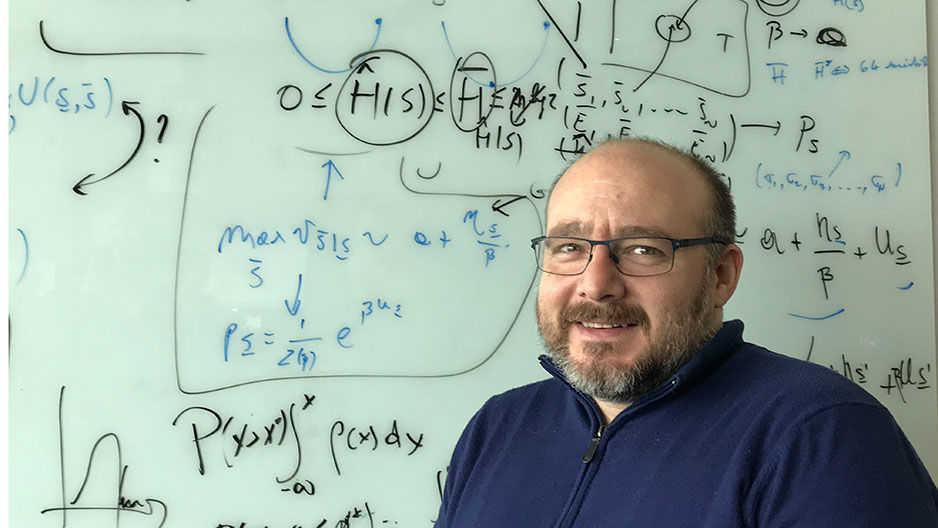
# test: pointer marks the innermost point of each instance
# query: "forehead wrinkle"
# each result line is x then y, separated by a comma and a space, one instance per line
576, 228
570, 228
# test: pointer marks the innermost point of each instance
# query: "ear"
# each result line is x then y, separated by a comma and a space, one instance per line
727, 274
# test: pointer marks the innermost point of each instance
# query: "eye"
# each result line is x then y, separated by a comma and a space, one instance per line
569, 246
566, 248
644, 251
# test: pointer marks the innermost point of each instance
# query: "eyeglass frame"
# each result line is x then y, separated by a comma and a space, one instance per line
676, 243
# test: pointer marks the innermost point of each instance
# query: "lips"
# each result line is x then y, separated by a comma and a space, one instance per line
604, 316
600, 325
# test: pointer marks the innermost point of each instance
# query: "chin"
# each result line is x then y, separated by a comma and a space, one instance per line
609, 355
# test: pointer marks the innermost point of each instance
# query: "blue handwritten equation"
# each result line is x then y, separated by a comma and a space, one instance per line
67, 96
828, 68
301, 349
312, 234
829, 180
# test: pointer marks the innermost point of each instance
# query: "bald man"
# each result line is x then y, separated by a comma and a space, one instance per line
658, 413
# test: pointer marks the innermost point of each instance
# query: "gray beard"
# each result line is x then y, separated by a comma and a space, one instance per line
685, 331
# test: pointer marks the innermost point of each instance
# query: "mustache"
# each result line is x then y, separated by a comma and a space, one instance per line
618, 313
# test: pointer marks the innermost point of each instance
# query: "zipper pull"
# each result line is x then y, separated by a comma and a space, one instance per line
594, 443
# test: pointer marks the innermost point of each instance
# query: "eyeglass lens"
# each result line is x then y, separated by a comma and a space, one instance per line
632, 256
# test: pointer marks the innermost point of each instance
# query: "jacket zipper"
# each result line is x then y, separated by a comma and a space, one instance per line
594, 443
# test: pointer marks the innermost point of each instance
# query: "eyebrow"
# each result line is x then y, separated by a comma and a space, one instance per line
576, 228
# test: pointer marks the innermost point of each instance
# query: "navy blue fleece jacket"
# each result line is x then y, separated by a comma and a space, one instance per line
739, 436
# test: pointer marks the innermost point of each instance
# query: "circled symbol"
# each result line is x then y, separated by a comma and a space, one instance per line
386, 99
672, 28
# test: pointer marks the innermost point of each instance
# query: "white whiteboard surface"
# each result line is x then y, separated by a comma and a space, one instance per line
206, 241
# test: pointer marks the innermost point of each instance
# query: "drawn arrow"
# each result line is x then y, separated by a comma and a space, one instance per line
296, 299
330, 167
803, 33
88, 180
497, 206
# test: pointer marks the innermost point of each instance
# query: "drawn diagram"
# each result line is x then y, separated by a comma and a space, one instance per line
396, 284
270, 241
672, 39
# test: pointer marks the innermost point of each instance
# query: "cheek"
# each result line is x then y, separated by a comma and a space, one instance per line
551, 295
659, 302
673, 299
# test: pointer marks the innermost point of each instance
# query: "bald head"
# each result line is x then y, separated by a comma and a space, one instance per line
659, 168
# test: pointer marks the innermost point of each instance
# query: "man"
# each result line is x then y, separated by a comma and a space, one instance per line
658, 413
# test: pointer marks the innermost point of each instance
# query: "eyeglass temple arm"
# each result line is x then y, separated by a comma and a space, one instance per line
688, 242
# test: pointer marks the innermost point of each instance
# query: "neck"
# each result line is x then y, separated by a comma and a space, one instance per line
610, 410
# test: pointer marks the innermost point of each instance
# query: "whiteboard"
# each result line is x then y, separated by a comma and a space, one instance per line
266, 259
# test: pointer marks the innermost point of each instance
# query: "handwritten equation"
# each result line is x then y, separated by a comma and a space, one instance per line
278, 240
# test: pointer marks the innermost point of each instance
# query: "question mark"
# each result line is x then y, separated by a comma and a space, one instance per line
165, 121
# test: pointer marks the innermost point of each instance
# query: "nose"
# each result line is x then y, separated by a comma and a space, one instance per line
602, 281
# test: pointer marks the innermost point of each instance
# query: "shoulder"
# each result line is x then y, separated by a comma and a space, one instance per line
792, 383
733, 370
773, 397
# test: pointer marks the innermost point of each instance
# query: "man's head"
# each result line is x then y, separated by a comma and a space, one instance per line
617, 336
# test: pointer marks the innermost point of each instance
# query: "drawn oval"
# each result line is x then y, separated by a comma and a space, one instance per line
672, 28
832, 37
472, 83
386, 99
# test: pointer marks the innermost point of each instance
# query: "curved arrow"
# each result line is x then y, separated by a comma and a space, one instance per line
88, 180
286, 25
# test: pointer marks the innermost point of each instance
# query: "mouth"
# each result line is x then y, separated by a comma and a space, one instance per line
604, 330
604, 322
605, 326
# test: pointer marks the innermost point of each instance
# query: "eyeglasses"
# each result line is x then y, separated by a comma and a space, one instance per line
634, 256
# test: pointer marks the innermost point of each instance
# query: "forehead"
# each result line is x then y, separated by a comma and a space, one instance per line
629, 189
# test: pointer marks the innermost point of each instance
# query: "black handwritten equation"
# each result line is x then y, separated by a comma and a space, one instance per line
287, 443
352, 198
834, 260
211, 433
387, 96
829, 242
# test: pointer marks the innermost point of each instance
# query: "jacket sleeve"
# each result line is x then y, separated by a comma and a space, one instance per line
846, 465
